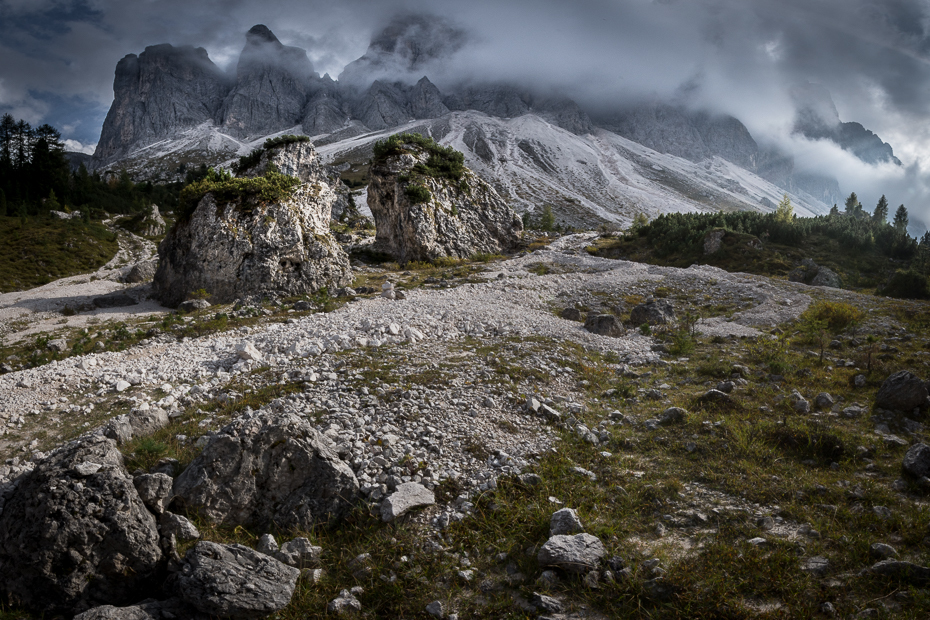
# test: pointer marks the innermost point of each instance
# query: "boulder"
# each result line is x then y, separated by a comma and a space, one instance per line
424, 216
408, 495
178, 526
713, 240
75, 532
299, 553
238, 246
809, 272
233, 581
141, 272
146, 610
152, 224
907, 572
267, 469
917, 461
658, 312
571, 314
903, 391
192, 305
604, 324
576, 554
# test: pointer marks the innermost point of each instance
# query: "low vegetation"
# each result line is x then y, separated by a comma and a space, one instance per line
272, 187
866, 253
249, 161
37, 250
443, 162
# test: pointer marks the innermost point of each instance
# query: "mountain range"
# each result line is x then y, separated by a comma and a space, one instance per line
174, 108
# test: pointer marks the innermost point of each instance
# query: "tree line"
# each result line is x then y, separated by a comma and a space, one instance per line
36, 178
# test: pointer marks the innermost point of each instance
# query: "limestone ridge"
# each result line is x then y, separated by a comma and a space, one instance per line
244, 246
458, 218
817, 118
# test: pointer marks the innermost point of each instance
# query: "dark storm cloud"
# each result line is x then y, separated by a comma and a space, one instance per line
736, 56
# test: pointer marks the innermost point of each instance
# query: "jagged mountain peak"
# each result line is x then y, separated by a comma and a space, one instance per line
260, 33
408, 44
817, 118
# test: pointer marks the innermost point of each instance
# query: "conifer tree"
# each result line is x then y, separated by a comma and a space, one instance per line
852, 204
900, 219
834, 210
784, 211
880, 215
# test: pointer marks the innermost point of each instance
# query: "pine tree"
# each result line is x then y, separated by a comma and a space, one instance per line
900, 219
51, 203
2, 203
784, 210
880, 215
547, 219
834, 210
852, 204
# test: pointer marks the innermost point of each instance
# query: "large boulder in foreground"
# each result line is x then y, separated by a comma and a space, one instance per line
233, 581
244, 239
74, 532
427, 205
267, 469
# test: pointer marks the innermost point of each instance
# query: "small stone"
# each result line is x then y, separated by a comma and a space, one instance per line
345, 603
859, 381
435, 609
604, 325
882, 551
178, 526
571, 314
757, 542
122, 386
407, 496
917, 461
248, 352
726, 386
546, 603
565, 521
578, 554
267, 545
672, 415
823, 401
817, 565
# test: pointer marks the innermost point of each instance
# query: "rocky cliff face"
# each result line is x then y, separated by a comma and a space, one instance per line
273, 83
244, 246
157, 93
422, 217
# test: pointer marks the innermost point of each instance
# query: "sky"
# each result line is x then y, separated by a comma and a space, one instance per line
739, 57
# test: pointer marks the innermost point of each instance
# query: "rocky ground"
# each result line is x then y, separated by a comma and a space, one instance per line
475, 390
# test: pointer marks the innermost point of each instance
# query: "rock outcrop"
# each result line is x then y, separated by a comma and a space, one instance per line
242, 246
265, 469
75, 532
420, 215
153, 224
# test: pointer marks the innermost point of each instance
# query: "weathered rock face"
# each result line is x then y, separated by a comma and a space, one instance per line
160, 91
459, 219
243, 247
266, 469
233, 581
75, 532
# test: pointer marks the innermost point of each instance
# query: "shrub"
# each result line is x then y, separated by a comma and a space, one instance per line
908, 284
270, 143
273, 187
248, 161
682, 343
442, 162
417, 194
837, 316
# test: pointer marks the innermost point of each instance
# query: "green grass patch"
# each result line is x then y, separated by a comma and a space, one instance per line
36, 251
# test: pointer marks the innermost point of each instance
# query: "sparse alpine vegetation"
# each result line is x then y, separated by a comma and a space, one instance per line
443, 162
272, 187
248, 161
